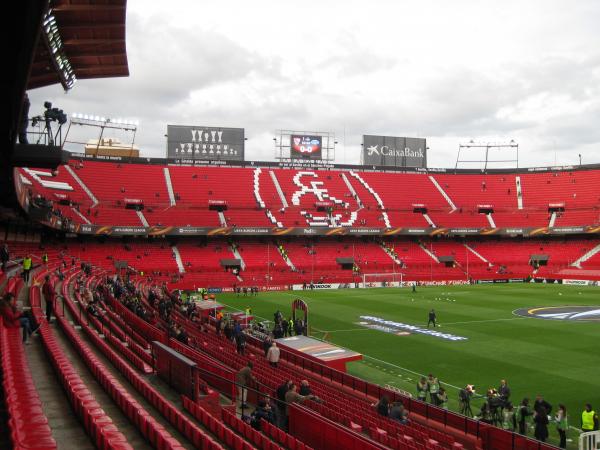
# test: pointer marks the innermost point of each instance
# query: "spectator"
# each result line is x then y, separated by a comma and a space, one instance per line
240, 342
12, 318
49, 297
273, 355
305, 388
292, 396
262, 411
243, 378
4, 257
383, 406
267, 344
398, 413
280, 394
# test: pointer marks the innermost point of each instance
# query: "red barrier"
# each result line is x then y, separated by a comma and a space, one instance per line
322, 434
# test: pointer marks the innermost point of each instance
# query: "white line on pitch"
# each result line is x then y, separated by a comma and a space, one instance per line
351, 329
481, 321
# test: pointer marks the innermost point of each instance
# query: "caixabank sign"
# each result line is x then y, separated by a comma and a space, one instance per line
394, 151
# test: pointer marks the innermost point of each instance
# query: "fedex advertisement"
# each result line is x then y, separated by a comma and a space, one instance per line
305, 147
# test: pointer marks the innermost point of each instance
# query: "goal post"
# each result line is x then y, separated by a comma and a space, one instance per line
390, 279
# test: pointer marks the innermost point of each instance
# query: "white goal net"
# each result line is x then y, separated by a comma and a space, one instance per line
371, 280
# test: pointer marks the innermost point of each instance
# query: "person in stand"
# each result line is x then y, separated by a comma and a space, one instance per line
540, 419
398, 413
45, 258
522, 413
240, 342
218, 323
273, 355
49, 297
267, 344
383, 406
280, 394
589, 419
4, 257
292, 396
262, 411
422, 389
305, 388
27, 265
562, 425
432, 318
243, 378
12, 318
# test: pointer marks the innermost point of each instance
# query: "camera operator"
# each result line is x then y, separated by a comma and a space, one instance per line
464, 400
495, 405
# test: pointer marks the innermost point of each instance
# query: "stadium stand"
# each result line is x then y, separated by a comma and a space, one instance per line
287, 197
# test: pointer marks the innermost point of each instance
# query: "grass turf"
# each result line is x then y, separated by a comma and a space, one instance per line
558, 359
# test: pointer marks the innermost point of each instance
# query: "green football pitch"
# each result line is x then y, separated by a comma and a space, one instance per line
559, 359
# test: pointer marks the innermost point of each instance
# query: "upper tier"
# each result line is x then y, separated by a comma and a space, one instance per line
322, 198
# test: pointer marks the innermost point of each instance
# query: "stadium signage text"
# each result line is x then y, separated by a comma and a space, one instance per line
390, 151
394, 327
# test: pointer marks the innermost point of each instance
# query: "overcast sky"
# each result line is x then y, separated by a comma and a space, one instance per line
449, 71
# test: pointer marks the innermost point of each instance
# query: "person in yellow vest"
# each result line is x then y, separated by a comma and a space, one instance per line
27, 264
248, 311
433, 386
589, 419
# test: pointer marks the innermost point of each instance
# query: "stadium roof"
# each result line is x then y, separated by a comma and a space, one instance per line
80, 39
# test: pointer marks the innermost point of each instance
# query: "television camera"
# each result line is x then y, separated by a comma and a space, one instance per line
50, 115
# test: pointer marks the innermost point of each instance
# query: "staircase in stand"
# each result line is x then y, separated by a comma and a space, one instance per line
169, 186
446, 196
178, 259
429, 252
82, 184
285, 257
140, 214
586, 256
